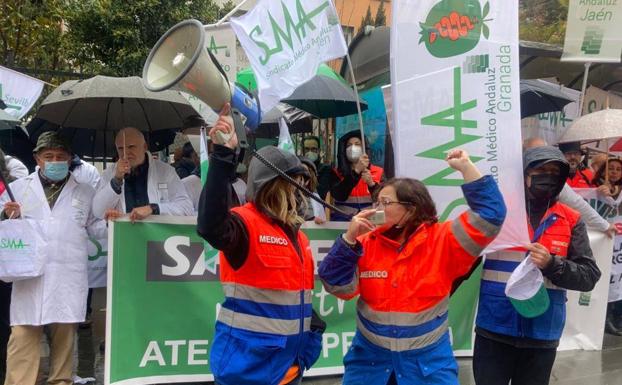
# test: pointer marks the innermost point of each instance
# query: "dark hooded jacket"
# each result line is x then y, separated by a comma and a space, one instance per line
536, 157
223, 229
578, 271
343, 178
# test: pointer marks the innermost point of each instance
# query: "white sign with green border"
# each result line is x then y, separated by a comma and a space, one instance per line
594, 31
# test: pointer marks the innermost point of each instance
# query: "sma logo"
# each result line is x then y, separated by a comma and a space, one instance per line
454, 27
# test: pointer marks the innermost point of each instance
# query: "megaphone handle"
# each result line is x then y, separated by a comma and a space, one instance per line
240, 130
300, 187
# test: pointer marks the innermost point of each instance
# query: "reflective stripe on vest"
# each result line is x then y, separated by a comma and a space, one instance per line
265, 311
399, 332
498, 267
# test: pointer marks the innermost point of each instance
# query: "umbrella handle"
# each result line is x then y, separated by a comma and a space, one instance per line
6, 186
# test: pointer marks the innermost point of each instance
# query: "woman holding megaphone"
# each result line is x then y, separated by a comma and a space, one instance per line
266, 331
403, 271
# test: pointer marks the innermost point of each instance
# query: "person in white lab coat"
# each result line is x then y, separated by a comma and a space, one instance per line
138, 184
56, 299
84, 172
16, 168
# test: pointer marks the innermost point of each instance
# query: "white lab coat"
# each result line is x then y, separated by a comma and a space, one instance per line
86, 173
59, 295
164, 188
193, 186
16, 168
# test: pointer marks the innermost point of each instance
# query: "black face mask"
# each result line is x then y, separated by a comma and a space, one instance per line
544, 186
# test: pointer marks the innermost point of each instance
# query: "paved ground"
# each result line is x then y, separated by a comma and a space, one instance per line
571, 367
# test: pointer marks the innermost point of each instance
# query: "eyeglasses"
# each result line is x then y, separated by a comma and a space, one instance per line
386, 203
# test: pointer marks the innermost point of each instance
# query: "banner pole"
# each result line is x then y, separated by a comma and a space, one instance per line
358, 101
231, 13
584, 87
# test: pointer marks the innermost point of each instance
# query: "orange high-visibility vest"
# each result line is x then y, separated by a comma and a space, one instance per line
404, 290
360, 197
263, 326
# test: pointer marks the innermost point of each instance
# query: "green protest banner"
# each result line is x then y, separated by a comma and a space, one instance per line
164, 297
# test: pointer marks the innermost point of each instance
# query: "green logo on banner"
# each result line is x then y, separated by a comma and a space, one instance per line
592, 41
286, 32
12, 244
11, 106
454, 27
99, 250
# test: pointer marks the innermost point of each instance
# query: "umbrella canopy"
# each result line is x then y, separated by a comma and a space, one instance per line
109, 103
539, 96
282, 110
297, 120
15, 142
326, 95
7, 121
605, 124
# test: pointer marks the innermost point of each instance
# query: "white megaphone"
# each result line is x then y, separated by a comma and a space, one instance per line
180, 60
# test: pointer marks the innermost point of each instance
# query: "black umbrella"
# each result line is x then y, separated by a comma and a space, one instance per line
539, 96
16, 143
325, 97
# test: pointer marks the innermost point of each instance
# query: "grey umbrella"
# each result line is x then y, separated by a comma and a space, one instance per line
109, 103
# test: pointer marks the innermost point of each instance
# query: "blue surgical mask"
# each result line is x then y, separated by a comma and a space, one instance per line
56, 171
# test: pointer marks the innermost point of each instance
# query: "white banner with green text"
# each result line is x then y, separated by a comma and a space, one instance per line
593, 31
457, 86
286, 41
18, 91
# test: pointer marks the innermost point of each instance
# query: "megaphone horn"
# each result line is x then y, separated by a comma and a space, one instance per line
180, 60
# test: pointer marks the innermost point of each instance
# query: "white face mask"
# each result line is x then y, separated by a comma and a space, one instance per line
312, 156
354, 152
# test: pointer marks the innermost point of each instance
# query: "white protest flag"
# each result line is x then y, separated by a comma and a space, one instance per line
593, 31
285, 140
457, 86
18, 91
204, 156
286, 41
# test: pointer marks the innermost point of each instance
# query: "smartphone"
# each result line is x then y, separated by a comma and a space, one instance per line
378, 218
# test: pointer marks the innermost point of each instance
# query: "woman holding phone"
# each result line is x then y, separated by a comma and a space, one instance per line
403, 272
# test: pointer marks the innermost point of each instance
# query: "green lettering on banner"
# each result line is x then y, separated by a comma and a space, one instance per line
214, 47
163, 308
12, 244
451, 117
7, 100
305, 19
99, 250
